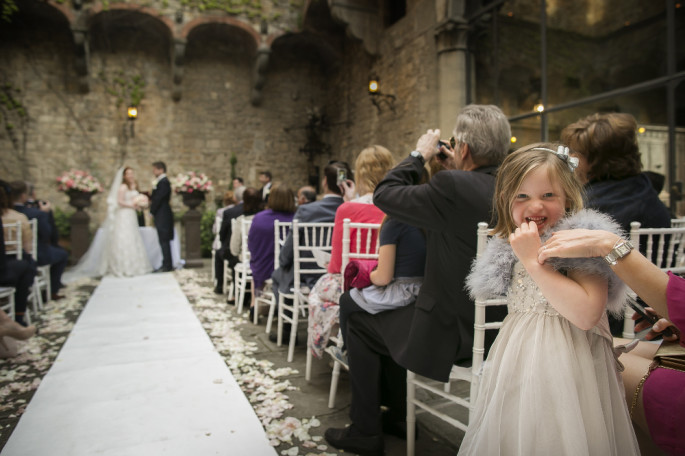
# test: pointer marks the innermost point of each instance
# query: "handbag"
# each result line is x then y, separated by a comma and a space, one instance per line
671, 355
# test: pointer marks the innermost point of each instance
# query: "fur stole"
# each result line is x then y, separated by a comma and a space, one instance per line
491, 273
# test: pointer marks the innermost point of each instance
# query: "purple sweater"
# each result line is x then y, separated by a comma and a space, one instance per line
260, 242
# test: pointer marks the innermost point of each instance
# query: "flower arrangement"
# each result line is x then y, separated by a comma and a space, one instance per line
192, 182
77, 180
141, 201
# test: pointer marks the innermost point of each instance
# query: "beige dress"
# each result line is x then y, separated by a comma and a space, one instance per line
548, 387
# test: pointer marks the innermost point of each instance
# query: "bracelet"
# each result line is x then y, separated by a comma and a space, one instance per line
621, 248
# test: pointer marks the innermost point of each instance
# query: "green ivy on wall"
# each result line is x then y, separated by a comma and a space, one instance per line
12, 112
126, 88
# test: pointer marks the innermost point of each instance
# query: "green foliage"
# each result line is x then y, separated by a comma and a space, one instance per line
125, 87
13, 114
7, 9
62, 222
206, 235
250, 8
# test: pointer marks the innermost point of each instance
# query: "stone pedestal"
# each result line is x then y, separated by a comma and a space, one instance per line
80, 234
191, 229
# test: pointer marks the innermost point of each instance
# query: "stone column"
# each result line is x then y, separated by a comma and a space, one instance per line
450, 36
191, 231
80, 234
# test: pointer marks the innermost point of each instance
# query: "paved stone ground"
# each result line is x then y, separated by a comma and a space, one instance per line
295, 412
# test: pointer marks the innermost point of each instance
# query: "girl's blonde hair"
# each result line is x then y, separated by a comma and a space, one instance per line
516, 167
371, 166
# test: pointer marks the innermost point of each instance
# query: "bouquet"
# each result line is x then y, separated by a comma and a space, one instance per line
77, 180
191, 182
141, 201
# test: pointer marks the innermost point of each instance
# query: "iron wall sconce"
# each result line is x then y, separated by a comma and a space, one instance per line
377, 97
132, 113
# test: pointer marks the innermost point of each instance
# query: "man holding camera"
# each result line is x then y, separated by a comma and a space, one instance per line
435, 332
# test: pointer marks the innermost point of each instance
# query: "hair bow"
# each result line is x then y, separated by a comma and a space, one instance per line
562, 152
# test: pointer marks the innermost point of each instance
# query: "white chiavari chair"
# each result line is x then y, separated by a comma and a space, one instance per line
365, 248
243, 273
309, 240
663, 247
442, 391
42, 280
281, 230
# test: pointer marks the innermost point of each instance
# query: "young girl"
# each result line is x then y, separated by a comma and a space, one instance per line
551, 382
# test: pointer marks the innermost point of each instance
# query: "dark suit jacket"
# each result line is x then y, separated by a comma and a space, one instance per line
318, 211
429, 336
226, 230
161, 211
45, 234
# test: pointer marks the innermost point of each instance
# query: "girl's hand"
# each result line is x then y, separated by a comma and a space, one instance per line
525, 242
658, 327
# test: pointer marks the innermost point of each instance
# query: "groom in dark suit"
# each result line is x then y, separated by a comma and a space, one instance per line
161, 211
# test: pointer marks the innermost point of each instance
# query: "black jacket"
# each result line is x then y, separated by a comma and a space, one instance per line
430, 335
161, 210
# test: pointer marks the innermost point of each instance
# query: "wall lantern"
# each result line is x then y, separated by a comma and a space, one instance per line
379, 98
539, 107
132, 113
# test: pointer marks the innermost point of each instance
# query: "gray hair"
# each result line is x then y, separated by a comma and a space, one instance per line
238, 193
486, 130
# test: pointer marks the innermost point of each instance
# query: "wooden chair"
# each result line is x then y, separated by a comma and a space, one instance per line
281, 230
458, 373
42, 280
365, 249
309, 239
243, 273
664, 247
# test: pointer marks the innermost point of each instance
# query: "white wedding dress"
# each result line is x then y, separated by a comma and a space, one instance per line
118, 249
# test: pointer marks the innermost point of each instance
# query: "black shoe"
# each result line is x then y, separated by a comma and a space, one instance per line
398, 428
354, 441
163, 269
219, 290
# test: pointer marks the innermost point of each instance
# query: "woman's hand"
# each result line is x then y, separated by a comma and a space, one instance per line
657, 328
578, 243
525, 242
348, 190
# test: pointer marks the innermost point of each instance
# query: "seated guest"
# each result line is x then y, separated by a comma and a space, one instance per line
260, 241
48, 253
370, 168
9, 215
13, 272
251, 205
35, 203
611, 169
306, 194
322, 210
224, 249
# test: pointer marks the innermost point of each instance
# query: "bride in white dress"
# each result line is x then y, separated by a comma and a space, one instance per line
118, 249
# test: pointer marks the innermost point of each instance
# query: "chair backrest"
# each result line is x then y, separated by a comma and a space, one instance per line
480, 325
281, 230
662, 246
34, 240
310, 240
367, 245
13, 245
678, 223
244, 251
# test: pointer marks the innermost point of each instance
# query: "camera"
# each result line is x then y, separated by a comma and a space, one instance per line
342, 176
442, 155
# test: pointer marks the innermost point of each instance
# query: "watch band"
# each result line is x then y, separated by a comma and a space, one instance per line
621, 249
417, 154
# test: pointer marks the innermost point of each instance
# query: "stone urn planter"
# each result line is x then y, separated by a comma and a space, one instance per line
193, 199
191, 228
80, 235
80, 200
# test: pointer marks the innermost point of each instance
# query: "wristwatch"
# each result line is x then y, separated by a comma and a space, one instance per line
417, 154
621, 249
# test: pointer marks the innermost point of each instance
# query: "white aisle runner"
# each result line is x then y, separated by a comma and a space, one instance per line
138, 375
